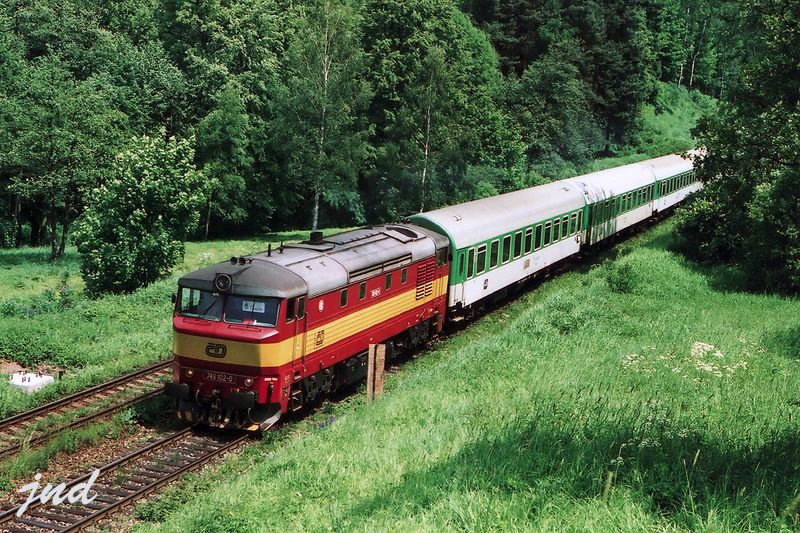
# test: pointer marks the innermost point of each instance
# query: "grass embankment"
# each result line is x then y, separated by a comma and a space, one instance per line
638, 394
45, 318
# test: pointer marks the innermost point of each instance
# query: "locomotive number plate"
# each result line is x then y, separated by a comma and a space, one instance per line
218, 376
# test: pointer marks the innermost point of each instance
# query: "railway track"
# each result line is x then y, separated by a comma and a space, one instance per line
43, 423
125, 480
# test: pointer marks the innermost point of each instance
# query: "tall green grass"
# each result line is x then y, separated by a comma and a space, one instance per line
637, 394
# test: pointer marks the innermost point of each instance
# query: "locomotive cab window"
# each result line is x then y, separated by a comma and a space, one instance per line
481, 262
252, 310
194, 303
470, 263
362, 290
506, 248
494, 253
404, 275
343, 298
517, 244
301, 307
388, 284
290, 303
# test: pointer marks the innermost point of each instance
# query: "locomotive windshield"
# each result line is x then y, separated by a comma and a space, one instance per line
251, 310
195, 303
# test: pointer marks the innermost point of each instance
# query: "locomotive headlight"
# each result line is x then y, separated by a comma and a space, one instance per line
248, 381
189, 372
223, 282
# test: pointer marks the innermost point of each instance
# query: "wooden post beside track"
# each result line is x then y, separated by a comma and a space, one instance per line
376, 360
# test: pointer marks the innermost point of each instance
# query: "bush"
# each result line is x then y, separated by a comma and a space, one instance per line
135, 226
621, 277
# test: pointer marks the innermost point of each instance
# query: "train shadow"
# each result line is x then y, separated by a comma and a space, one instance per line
536, 460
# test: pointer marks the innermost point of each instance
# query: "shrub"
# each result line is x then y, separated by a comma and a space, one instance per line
135, 226
620, 277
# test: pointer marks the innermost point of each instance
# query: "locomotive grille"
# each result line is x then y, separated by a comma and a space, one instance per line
425, 275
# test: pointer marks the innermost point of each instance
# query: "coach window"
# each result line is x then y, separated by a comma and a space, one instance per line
388, 284
556, 229
547, 234
606, 212
573, 224
343, 298
362, 290
494, 253
461, 264
565, 227
528, 240
481, 263
580, 219
470, 263
614, 207
538, 242
404, 273
517, 244
301, 307
506, 248
290, 303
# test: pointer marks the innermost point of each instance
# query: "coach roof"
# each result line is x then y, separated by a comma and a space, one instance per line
480, 220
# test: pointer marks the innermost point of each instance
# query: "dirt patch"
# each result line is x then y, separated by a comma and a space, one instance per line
9, 367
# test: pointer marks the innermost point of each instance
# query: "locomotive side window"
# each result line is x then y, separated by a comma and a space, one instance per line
404, 273
481, 263
362, 290
343, 298
494, 253
538, 243
388, 284
290, 309
471, 263
301, 307
528, 240
517, 244
506, 248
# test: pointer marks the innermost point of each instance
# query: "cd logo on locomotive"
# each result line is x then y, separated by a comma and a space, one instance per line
216, 350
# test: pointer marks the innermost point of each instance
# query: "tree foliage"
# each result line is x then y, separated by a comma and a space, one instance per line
135, 226
749, 212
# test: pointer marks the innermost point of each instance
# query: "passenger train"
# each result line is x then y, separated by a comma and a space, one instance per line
261, 336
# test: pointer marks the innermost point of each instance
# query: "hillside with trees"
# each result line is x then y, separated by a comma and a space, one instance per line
337, 112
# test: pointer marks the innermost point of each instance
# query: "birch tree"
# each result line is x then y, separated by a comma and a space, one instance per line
322, 109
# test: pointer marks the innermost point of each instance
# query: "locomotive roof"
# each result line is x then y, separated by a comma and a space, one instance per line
314, 268
480, 220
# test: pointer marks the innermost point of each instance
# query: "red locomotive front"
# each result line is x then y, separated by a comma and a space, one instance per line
265, 335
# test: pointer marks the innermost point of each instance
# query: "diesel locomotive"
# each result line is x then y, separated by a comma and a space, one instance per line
261, 336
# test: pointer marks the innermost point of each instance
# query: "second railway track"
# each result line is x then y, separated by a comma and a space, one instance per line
41, 424
125, 480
